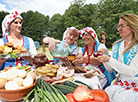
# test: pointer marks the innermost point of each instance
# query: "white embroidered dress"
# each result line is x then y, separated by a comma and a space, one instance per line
126, 87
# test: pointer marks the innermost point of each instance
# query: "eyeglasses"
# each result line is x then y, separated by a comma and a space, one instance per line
121, 26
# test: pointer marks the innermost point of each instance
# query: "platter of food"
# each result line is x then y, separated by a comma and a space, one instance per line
10, 51
54, 73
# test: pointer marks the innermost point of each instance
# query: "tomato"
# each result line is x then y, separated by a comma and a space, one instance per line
100, 95
71, 97
82, 94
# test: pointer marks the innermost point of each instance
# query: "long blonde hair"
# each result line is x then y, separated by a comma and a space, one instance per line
132, 21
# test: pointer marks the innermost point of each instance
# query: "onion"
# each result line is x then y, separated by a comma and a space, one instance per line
21, 73
2, 82
82, 93
11, 85
19, 81
32, 74
28, 81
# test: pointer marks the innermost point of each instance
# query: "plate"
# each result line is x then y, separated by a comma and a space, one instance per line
15, 55
63, 80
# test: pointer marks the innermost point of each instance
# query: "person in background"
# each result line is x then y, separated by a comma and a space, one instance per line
103, 38
11, 28
70, 35
92, 44
124, 61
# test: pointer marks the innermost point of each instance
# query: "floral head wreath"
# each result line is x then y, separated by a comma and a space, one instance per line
7, 20
68, 29
91, 31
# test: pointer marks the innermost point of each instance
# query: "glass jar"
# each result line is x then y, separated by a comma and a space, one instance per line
62, 50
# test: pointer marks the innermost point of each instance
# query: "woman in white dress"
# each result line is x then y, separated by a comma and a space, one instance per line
124, 61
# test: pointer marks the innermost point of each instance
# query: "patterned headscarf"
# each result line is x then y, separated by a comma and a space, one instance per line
68, 29
91, 31
7, 20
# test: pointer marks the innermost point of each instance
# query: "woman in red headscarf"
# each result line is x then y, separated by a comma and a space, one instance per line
88, 60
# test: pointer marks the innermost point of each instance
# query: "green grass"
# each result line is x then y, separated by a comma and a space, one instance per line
48, 55
110, 49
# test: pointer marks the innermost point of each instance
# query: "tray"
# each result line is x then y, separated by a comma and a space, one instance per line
15, 55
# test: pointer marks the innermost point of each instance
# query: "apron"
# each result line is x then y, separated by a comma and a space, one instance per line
11, 62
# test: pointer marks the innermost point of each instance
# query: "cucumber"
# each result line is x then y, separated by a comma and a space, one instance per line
64, 88
80, 82
70, 83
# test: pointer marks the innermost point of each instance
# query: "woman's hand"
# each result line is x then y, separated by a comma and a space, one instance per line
104, 58
79, 60
52, 45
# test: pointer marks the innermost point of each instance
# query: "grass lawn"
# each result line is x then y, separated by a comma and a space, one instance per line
48, 55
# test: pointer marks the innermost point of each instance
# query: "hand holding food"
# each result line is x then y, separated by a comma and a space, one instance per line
104, 58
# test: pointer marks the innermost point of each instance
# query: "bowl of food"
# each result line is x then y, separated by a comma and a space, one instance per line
15, 95
71, 57
16, 83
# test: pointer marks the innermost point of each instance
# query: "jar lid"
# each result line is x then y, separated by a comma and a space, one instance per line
40, 55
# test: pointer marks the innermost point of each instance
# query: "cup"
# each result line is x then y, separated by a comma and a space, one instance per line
97, 53
71, 57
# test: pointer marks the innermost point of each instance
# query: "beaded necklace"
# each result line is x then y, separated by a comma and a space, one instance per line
89, 55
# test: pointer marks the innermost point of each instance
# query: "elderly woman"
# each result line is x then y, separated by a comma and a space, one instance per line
124, 61
88, 60
67, 44
11, 27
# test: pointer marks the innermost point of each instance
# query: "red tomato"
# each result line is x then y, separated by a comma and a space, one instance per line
71, 97
82, 94
100, 95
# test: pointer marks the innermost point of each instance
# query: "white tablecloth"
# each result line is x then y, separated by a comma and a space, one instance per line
92, 82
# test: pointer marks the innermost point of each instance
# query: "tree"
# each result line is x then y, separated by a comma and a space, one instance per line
56, 26
2, 15
35, 25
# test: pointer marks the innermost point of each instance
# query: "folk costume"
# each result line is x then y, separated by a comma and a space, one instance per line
27, 41
125, 88
108, 76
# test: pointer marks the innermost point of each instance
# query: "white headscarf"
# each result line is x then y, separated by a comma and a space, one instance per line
7, 20
68, 29
91, 31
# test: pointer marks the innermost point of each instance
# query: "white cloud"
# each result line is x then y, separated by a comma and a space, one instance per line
46, 7
3, 7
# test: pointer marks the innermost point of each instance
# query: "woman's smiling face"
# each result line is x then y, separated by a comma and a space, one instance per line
87, 39
16, 25
71, 37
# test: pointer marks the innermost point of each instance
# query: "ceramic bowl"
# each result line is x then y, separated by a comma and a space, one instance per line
15, 95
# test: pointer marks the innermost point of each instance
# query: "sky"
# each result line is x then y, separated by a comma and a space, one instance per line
46, 7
